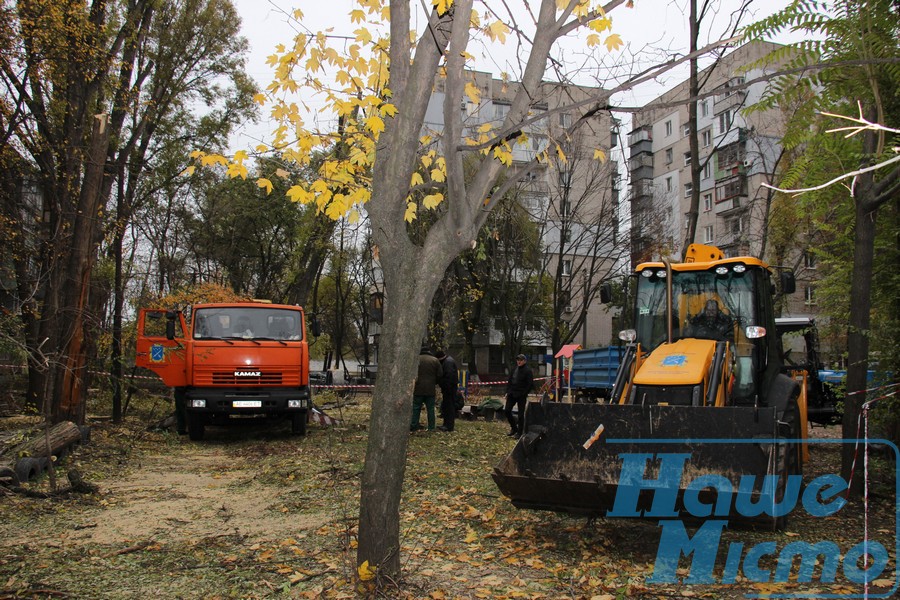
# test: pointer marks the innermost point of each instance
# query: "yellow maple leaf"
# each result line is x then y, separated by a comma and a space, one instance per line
614, 42
473, 92
363, 35
366, 573
265, 184
442, 6
299, 194
213, 159
431, 201
388, 110
600, 25
438, 175
189, 171
593, 40
497, 31
353, 219
410, 215
237, 170
504, 156
416, 180
375, 124
561, 155
240, 156
260, 99
599, 155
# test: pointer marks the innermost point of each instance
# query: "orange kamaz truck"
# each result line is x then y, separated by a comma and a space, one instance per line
228, 361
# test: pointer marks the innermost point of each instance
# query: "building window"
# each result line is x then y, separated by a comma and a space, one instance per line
565, 120
565, 299
668, 128
538, 142
809, 295
500, 111
725, 121
564, 208
686, 130
565, 178
809, 260
688, 188
707, 170
668, 156
687, 158
567, 268
708, 234
707, 202
704, 108
668, 184
706, 138
736, 226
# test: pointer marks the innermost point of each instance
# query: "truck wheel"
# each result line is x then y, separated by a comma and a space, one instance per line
298, 422
196, 426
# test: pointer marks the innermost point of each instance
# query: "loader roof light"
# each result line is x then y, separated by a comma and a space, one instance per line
740, 268
721, 270
754, 332
647, 273
661, 273
628, 335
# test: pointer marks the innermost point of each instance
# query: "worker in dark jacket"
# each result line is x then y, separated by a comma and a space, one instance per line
521, 380
429, 377
449, 384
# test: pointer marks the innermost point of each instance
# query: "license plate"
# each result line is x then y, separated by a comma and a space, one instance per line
247, 403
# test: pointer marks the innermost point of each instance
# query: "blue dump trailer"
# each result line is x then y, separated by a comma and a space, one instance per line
593, 373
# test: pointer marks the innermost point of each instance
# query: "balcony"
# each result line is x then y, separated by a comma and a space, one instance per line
643, 146
642, 134
729, 101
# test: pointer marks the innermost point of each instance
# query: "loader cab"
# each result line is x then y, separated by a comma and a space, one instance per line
722, 301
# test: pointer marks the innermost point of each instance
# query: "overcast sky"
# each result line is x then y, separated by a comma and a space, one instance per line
651, 30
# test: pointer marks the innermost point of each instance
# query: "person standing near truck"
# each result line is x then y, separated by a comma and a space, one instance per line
449, 382
521, 380
429, 377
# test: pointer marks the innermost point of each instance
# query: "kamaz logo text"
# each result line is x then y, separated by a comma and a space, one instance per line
247, 373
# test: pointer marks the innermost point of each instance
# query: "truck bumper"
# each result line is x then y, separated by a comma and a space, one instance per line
275, 401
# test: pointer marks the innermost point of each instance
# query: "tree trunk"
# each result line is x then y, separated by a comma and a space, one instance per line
858, 329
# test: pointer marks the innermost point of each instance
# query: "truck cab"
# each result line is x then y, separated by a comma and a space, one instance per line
230, 361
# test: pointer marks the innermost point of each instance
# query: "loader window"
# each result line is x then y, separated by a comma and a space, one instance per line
692, 292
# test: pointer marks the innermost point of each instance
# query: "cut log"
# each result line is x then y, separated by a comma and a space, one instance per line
58, 438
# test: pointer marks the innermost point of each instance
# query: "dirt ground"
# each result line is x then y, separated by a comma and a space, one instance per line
253, 512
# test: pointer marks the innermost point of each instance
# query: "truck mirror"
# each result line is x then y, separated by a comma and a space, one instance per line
605, 293
314, 326
788, 283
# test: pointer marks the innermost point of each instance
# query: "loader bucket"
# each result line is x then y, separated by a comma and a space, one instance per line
550, 468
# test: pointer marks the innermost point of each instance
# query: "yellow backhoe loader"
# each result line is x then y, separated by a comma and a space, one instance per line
702, 381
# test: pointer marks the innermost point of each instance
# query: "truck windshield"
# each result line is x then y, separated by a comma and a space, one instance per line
248, 323
704, 305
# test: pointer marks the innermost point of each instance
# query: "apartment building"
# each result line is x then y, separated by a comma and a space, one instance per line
738, 153
572, 197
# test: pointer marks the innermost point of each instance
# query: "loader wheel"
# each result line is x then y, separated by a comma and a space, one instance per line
196, 426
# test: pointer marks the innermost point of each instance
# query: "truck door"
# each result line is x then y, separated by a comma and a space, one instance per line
167, 358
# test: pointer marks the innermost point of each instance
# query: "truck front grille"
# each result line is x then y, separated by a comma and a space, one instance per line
229, 378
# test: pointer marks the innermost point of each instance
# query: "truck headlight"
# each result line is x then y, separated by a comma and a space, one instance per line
198, 403
295, 403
